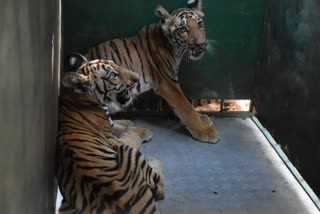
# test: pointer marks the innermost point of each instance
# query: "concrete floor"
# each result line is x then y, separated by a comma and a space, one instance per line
242, 174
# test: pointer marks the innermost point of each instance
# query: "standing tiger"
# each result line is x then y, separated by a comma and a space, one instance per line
156, 53
97, 171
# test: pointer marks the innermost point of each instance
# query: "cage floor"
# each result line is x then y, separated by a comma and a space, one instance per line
242, 174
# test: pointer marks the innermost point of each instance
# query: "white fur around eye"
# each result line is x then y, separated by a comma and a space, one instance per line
191, 1
101, 72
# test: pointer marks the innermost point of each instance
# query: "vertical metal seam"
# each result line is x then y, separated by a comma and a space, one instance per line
287, 162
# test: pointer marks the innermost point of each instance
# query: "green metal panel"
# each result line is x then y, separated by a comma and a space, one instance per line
236, 25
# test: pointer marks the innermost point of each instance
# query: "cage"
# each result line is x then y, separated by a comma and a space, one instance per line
259, 83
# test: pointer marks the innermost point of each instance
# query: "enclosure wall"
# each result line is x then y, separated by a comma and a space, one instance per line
29, 62
235, 25
287, 82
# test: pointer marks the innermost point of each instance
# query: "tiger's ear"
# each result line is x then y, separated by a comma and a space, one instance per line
195, 4
162, 13
74, 61
78, 82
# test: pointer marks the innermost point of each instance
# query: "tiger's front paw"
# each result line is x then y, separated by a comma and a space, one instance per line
207, 135
206, 120
144, 134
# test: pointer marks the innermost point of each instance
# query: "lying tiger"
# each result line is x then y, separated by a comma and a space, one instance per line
99, 168
156, 53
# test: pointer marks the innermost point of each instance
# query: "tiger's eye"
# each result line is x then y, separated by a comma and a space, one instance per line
183, 29
114, 75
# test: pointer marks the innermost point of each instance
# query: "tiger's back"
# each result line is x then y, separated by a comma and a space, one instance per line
146, 53
97, 175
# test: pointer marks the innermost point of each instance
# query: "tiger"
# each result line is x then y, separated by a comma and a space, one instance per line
156, 53
98, 171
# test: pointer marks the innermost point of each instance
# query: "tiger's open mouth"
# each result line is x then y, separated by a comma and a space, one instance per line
125, 96
196, 53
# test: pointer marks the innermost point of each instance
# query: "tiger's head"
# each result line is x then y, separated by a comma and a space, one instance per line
184, 28
100, 80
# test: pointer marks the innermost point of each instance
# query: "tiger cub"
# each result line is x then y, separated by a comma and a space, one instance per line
99, 171
156, 53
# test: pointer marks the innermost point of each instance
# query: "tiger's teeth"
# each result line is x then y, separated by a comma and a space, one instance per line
191, 1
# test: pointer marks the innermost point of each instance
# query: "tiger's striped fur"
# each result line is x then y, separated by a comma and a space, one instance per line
96, 171
156, 53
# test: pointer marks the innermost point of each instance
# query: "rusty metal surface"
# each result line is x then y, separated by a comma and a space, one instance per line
287, 87
28, 109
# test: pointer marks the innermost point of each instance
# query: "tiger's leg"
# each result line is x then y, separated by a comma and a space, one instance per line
132, 136
136, 136
121, 126
173, 94
144, 134
142, 174
123, 123
206, 120
156, 165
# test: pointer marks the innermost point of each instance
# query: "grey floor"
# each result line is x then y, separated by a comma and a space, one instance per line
242, 174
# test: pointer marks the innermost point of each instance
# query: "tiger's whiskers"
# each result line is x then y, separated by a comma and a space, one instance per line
212, 47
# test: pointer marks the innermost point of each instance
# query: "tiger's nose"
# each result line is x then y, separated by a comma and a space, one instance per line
135, 78
202, 45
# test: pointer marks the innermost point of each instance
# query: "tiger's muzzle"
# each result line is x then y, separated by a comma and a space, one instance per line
126, 97
197, 50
